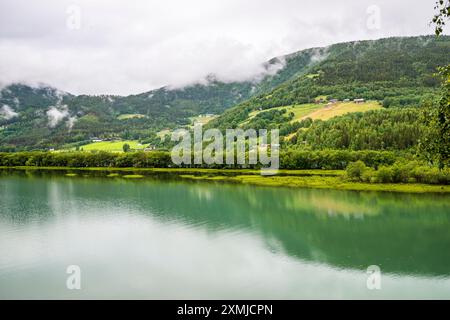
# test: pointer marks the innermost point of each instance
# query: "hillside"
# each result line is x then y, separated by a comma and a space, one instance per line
397, 72
314, 111
45, 117
295, 87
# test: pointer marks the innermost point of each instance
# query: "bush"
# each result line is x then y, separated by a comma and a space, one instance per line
369, 176
410, 172
402, 172
126, 147
355, 170
384, 174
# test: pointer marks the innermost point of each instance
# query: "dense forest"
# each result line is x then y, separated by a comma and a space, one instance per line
392, 129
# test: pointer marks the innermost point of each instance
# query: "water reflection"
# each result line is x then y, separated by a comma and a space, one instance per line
150, 238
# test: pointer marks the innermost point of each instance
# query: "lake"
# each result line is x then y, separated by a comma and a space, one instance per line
162, 237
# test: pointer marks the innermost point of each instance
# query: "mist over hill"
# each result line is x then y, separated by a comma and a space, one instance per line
398, 72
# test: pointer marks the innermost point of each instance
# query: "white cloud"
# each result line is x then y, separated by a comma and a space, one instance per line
129, 47
70, 122
55, 115
7, 112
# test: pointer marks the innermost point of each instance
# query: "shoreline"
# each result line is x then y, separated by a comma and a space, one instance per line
311, 179
323, 182
281, 172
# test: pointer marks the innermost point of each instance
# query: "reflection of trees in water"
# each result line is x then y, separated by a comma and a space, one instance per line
402, 233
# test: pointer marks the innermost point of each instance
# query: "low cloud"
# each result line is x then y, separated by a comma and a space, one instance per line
271, 68
123, 48
70, 122
7, 112
55, 115
319, 54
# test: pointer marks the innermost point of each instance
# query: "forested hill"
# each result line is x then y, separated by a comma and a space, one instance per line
397, 72
394, 71
44, 117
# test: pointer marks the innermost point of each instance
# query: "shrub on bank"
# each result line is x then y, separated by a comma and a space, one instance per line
409, 172
355, 170
384, 175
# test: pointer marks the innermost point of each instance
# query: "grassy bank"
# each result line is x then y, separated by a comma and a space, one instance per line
319, 179
199, 171
321, 182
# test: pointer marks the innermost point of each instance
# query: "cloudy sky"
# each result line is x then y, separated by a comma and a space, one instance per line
124, 47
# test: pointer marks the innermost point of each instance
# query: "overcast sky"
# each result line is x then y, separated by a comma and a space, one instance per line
124, 47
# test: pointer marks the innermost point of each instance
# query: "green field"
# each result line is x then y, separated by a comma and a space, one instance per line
112, 146
322, 111
131, 116
341, 108
202, 119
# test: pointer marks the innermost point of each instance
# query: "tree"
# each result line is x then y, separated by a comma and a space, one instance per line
443, 119
126, 147
443, 13
442, 116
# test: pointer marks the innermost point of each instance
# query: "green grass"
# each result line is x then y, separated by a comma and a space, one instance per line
303, 111
300, 111
127, 116
341, 108
133, 176
312, 75
112, 146
321, 182
113, 175
202, 120
321, 111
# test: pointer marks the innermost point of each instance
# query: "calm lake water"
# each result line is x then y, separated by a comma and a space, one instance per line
162, 238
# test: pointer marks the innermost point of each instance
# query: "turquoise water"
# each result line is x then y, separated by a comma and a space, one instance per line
163, 238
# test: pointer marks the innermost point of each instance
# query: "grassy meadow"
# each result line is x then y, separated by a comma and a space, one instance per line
322, 111
131, 116
112, 146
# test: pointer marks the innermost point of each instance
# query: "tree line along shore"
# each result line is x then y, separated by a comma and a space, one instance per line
337, 169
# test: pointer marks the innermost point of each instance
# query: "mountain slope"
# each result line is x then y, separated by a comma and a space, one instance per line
394, 71
45, 117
